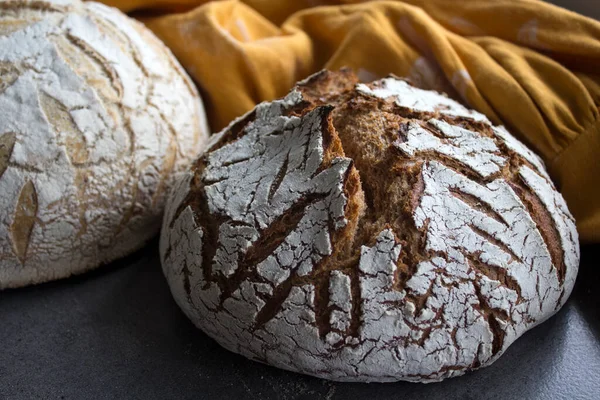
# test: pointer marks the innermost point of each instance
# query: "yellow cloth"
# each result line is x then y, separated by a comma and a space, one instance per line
526, 64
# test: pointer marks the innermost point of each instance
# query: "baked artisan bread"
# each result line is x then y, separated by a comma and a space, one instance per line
368, 232
96, 116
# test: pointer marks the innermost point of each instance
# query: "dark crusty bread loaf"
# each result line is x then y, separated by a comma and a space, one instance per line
368, 232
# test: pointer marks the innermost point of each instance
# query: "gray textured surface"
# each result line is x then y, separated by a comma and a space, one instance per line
117, 333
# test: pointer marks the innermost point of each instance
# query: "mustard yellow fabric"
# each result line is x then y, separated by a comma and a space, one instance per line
526, 64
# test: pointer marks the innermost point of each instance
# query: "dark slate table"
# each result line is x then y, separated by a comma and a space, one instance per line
116, 333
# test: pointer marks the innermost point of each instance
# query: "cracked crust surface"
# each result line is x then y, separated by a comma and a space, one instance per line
368, 232
96, 117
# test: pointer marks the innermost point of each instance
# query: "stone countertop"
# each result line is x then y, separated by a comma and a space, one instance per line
117, 333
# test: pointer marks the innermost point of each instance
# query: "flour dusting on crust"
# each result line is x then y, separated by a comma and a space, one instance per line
97, 116
277, 251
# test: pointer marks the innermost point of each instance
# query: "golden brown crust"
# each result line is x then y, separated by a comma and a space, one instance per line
369, 126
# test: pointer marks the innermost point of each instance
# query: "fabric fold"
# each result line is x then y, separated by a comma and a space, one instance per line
525, 64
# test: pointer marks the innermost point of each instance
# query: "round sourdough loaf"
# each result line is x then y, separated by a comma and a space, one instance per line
95, 118
368, 232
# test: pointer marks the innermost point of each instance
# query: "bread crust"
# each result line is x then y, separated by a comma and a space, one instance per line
96, 118
368, 232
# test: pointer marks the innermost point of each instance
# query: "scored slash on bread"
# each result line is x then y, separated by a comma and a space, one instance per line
368, 232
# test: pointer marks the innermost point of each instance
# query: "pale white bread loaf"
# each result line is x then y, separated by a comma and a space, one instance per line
96, 118
368, 233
